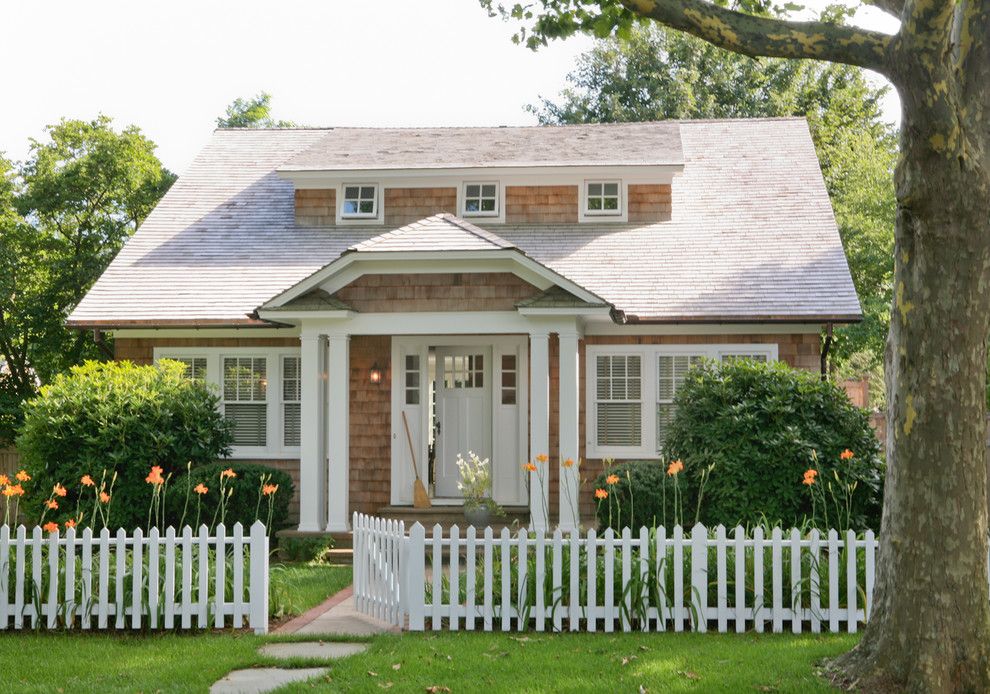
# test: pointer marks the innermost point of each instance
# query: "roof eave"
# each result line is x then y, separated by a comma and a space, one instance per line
717, 319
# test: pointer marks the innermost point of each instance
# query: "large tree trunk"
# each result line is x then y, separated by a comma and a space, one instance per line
930, 628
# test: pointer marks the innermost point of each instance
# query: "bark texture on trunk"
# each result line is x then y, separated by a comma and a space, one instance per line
930, 629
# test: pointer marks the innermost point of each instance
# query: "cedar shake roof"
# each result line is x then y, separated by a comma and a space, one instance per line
441, 232
751, 236
616, 144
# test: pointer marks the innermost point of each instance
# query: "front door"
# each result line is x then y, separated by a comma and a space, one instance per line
463, 411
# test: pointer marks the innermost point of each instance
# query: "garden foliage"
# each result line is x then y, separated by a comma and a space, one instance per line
245, 502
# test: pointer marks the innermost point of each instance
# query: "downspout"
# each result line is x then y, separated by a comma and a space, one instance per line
826, 346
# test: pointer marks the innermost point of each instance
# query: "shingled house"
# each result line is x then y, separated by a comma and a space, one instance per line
510, 291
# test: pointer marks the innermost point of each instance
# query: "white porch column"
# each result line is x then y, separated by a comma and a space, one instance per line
312, 429
539, 427
568, 381
338, 513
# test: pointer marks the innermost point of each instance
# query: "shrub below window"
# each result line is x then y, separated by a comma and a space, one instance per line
761, 427
116, 417
638, 495
246, 501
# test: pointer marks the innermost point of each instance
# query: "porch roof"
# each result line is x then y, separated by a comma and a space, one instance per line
441, 232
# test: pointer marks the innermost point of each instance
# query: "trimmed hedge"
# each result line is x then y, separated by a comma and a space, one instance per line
118, 417
243, 505
761, 425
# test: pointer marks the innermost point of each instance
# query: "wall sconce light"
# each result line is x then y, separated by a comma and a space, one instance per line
375, 376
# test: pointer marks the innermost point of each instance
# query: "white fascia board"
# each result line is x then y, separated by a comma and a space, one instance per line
509, 175
340, 272
299, 315
588, 312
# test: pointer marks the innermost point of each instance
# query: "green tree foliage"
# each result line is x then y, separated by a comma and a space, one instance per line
254, 112
64, 215
123, 418
654, 73
762, 426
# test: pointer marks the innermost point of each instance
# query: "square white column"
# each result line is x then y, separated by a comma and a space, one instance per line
569, 502
338, 454
539, 428
312, 432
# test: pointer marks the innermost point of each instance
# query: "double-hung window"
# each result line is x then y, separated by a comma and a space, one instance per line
359, 201
245, 399
618, 400
632, 389
195, 368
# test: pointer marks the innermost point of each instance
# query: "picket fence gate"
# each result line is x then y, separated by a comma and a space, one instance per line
608, 582
134, 581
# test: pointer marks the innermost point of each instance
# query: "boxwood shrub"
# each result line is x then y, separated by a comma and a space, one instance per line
761, 426
242, 506
117, 416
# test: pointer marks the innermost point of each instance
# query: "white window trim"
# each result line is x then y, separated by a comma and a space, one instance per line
360, 217
648, 393
497, 215
586, 215
273, 369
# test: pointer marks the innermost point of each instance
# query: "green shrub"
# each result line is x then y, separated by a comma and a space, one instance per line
118, 417
305, 549
245, 505
642, 497
761, 426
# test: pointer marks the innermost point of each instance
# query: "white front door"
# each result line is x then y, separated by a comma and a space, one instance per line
463, 411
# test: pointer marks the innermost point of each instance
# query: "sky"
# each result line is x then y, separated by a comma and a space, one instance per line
172, 68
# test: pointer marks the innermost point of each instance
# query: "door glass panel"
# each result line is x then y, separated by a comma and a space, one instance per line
464, 371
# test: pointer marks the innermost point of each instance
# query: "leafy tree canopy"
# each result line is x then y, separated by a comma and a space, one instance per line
254, 112
64, 215
649, 72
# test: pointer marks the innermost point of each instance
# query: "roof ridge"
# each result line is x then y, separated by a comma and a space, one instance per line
475, 229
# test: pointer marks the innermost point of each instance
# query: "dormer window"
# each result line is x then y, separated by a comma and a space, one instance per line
481, 199
602, 198
360, 202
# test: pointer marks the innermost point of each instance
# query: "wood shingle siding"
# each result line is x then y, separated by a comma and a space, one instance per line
370, 425
649, 203
406, 205
316, 208
541, 204
494, 291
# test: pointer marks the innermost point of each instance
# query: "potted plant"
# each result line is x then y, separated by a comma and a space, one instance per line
476, 486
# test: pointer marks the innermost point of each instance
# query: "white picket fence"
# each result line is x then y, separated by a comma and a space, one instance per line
134, 581
587, 582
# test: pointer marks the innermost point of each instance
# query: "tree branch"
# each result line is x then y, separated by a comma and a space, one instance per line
763, 36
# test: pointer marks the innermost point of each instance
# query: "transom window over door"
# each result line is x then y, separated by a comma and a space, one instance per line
602, 198
360, 201
618, 400
481, 199
245, 399
671, 371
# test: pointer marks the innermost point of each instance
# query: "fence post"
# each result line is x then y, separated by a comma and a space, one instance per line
259, 578
414, 569
699, 575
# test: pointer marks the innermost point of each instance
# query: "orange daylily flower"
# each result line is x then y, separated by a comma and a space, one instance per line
104, 497
59, 490
601, 494
4, 480
201, 488
87, 481
529, 467
155, 476
50, 527
675, 467
612, 479
51, 503
228, 473
811, 472
847, 455
13, 490
22, 476
808, 481
70, 523
568, 463
269, 489
542, 458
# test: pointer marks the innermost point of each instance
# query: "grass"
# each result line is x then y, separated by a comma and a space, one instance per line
296, 588
585, 663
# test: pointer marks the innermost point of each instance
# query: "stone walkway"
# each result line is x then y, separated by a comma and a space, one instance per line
337, 616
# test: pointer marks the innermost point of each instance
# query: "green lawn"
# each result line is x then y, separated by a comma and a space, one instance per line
297, 587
